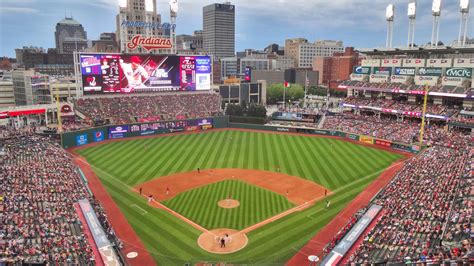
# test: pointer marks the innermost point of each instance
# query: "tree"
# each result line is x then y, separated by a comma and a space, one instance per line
275, 93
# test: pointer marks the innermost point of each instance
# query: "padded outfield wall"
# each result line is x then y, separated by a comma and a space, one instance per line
99, 134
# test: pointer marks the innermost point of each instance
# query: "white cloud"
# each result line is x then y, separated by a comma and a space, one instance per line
24, 10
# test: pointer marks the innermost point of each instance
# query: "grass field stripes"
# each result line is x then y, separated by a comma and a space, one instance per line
345, 168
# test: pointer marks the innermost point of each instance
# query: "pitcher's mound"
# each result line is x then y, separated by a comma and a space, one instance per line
228, 203
211, 241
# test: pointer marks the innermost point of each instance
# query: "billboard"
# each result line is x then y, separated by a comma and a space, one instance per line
430, 71
378, 78
453, 81
463, 62
117, 73
413, 62
399, 79
457, 72
358, 77
371, 62
426, 80
117, 132
387, 71
81, 139
392, 62
439, 62
405, 71
361, 70
98, 136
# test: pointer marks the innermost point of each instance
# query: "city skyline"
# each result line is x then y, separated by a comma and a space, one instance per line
258, 24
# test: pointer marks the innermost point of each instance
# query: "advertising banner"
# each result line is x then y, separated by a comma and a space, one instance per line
384, 143
426, 80
430, 71
413, 62
405, 71
464, 62
401, 147
81, 140
358, 77
371, 62
340, 250
366, 139
117, 73
458, 72
98, 136
451, 81
117, 132
399, 79
320, 132
391, 62
379, 78
352, 136
387, 71
361, 70
439, 62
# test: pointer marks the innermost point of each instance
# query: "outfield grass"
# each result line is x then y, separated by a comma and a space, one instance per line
343, 167
256, 205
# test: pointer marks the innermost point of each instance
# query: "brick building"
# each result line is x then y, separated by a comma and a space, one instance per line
337, 67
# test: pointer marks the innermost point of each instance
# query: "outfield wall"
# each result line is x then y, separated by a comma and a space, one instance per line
333, 133
99, 134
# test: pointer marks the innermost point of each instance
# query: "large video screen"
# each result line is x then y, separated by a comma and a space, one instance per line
116, 73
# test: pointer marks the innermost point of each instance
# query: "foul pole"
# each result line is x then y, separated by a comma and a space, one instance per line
422, 129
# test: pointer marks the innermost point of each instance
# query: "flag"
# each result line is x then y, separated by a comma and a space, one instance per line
307, 80
286, 84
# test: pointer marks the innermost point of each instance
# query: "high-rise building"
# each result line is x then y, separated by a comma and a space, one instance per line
303, 51
190, 44
219, 30
70, 36
337, 67
106, 44
137, 17
7, 97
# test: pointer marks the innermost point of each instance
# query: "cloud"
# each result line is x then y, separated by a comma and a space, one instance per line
24, 10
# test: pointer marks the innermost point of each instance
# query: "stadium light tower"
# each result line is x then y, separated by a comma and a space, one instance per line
411, 24
173, 15
464, 10
436, 11
389, 15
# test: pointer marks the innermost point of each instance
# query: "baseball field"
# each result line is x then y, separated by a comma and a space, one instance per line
281, 184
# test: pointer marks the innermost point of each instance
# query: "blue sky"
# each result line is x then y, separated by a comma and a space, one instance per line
358, 23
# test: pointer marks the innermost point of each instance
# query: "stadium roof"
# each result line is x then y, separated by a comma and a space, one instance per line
418, 51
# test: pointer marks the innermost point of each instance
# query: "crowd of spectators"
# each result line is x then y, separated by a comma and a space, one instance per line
344, 230
40, 185
400, 105
129, 109
417, 207
393, 87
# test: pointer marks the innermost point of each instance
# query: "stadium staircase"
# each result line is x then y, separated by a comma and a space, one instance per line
321, 121
77, 112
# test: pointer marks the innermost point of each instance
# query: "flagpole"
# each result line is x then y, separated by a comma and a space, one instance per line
284, 92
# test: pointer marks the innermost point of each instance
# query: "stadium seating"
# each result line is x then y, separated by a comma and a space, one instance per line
129, 109
39, 187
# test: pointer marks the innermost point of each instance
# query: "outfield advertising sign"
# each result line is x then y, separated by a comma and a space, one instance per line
366, 139
117, 132
99, 136
352, 137
81, 139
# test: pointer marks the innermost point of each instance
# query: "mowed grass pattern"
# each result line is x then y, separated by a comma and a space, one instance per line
256, 205
343, 167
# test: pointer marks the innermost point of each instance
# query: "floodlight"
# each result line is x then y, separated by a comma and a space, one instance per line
436, 7
390, 12
174, 6
412, 9
464, 5
149, 5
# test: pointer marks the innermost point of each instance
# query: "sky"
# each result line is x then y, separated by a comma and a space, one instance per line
358, 23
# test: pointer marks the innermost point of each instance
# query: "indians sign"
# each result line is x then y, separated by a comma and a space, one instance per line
149, 43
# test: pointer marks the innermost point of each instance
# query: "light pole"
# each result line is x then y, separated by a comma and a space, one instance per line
464, 10
411, 24
389, 15
173, 15
436, 11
